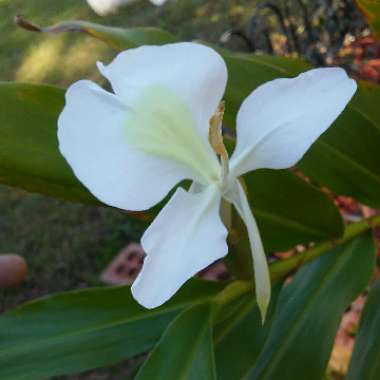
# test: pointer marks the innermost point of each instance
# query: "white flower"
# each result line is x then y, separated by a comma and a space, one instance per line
131, 147
106, 7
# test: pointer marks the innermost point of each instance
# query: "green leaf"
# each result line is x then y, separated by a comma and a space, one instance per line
371, 11
309, 310
29, 156
289, 211
365, 363
240, 337
185, 351
73, 332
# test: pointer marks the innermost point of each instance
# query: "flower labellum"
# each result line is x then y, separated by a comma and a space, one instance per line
162, 124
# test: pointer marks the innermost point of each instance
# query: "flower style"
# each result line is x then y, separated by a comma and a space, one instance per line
162, 125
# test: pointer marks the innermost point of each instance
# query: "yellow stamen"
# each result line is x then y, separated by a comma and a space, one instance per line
215, 132
215, 138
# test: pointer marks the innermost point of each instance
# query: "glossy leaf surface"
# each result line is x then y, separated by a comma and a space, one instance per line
29, 156
289, 210
76, 331
185, 350
240, 336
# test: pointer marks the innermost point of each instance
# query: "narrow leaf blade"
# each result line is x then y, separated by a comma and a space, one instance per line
240, 336
185, 351
290, 211
29, 155
86, 329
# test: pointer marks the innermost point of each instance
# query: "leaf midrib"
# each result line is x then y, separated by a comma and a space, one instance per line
101, 327
192, 353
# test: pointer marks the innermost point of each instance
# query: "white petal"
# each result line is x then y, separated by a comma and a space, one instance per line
280, 120
158, 2
187, 236
92, 138
237, 197
195, 73
105, 7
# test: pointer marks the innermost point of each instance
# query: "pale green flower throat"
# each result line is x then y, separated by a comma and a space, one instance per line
161, 124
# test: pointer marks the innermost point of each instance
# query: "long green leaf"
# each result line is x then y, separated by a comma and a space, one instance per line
309, 311
185, 351
365, 361
73, 332
240, 337
289, 210
29, 156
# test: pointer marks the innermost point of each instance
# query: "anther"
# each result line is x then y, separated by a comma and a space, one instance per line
215, 138
215, 132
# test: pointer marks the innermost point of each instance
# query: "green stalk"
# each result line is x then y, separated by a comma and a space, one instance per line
280, 269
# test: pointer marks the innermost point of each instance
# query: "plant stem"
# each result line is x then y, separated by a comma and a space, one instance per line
281, 268
233, 291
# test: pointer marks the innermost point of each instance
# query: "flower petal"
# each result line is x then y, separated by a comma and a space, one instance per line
186, 236
237, 197
92, 138
280, 120
194, 72
158, 2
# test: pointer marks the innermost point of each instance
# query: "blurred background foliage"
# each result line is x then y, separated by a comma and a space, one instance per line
67, 245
